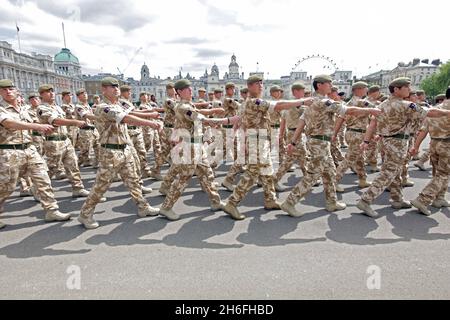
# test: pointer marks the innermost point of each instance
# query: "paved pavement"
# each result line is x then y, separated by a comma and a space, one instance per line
207, 255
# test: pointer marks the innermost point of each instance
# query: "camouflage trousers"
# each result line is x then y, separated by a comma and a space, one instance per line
139, 145
372, 153
405, 175
153, 140
440, 159
341, 135
425, 157
25, 163
111, 163
63, 152
88, 139
198, 164
252, 173
336, 153
394, 154
38, 142
166, 146
320, 164
299, 155
354, 158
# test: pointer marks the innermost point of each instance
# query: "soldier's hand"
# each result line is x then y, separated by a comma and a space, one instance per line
234, 119
377, 138
308, 102
334, 138
290, 149
364, 146
44, 128
81, 124
375, 112
413, 151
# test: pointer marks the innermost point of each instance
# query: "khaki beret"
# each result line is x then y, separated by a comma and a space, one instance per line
182, 84
254, 79
420, 92
110, 81
276, 88
412, 92
96, 96
45, 87
65, 92
218, 90
400, 82
80, 91
201, 90
244, 90
322, 78
298, 86
360, 85
170, 85
125, 87
6, 83
33, 95
230, 85
374, 88
142, 93
334, 89
440, 97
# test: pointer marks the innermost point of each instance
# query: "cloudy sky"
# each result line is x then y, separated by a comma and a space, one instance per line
194, 34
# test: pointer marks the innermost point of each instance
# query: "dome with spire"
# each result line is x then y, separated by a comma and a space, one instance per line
145, 72
65, 56
215, 70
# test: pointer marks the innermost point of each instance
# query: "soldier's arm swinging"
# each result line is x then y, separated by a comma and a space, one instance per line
19, 125
339, 122
369, 134
436, 113
145, 115
284, 105
420, 137
133, 120
68, 122
298, 132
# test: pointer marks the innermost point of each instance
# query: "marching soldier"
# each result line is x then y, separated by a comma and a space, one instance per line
256, 123
88, 134
356, 128
392, 125
335, 142
115, 155
439, 130
244, 94
373, 96
69, 108
19, 157
57, 145
277, 136
191, 154
289, 121
319, 121
169, 119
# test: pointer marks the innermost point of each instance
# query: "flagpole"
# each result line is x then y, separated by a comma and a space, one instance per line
18, 37
64, 35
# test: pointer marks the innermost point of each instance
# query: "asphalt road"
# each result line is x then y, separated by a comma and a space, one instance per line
205, 255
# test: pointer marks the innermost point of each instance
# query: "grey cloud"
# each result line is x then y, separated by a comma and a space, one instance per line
210, 53
196, 67
187, 40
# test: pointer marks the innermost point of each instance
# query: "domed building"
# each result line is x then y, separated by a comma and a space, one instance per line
68, 70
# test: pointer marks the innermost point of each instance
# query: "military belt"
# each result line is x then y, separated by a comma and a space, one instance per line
227, 126
442, 139
168, 126
275, 126
88, 128
132, 127
22, 146
197, 140
356, 130
323, 138
36, 134
292, 129
114, 146
398, 136
56, 138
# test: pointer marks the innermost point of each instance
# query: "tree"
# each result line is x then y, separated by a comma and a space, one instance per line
438, 82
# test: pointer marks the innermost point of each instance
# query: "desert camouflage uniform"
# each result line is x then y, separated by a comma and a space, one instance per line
392, 125
152, 138
87, 136
69, 110
169, 119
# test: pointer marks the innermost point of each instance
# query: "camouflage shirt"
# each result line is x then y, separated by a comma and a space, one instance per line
169, 111
291, 116
397, 115
256, 113
320, 116
439, 127
231, 107
358, 122
47, 113
69, 109
81, 111
8, 136
187, 118
109, 123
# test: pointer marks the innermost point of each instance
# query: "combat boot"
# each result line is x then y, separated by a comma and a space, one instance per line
25, 193
162, 190
233, 212
339, 189
55, 215
420, 165
273, 206
366, 208
374, 168
169, 214
317, 183
290, 209
146, 190
227, 185
335, 206
401, 204
407, 183
156, 176
218, 206
279, 188
440, 203
89, 222
363, 183
2, 225
79, 193
421, 207
60, 176
148, 211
